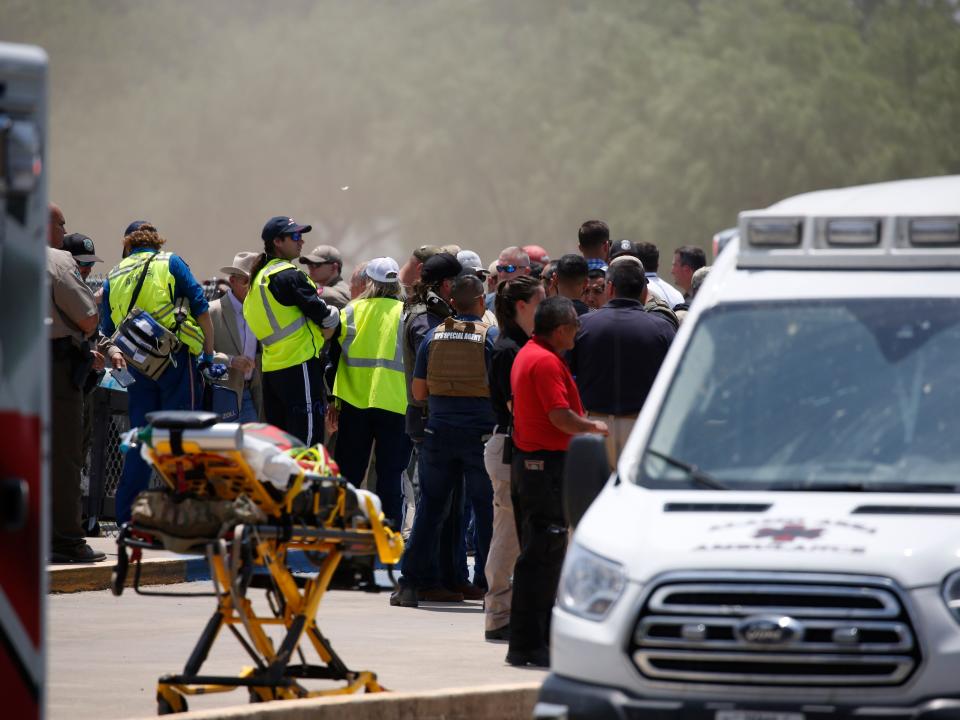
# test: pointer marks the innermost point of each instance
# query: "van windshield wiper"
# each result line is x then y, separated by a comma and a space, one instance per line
699, 477
865, 486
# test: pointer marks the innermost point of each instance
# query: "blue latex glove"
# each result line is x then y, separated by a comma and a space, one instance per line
209, 369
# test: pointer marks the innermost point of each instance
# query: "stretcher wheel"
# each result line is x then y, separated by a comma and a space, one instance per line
117, 579
171, 702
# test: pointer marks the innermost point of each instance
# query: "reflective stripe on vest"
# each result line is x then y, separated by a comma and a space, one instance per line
394, 363
156, 295
370, 373
279, 333
287, 336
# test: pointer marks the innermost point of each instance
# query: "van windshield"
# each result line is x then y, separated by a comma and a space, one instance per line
841, 395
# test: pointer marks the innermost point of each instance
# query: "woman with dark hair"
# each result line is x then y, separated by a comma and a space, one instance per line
515, 304
290, 320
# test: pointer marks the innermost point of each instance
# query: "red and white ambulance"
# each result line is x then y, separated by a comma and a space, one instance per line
23, 378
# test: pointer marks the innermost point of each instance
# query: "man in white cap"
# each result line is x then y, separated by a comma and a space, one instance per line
325, 267
470, 260
240, 397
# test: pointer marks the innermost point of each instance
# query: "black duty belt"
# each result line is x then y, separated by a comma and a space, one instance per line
62, 347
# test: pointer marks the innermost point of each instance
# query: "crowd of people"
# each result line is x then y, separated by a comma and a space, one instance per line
452, 386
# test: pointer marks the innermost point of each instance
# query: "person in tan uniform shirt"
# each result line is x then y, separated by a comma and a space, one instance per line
325, 267
73, 319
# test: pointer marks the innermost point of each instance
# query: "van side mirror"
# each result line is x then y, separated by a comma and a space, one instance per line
585, 472
20, 157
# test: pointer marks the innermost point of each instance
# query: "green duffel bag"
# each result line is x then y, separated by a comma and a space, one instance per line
183, 523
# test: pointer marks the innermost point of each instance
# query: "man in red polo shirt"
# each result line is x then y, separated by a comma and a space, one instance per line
546, 413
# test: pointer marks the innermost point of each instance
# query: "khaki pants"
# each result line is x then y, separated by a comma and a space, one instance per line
620, 427
504, 546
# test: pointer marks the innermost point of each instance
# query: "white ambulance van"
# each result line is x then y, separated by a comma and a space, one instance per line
781, 537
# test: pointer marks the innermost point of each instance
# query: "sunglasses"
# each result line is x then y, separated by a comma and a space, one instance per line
86, 263
510, 268
296, 237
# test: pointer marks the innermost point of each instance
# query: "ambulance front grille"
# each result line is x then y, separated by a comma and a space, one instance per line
775, 629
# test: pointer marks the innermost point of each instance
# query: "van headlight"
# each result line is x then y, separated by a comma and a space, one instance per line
951, 593
590, 584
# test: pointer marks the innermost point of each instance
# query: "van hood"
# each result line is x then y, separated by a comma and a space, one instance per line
913, 538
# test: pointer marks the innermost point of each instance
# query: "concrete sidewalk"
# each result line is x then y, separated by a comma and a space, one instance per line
106, 653
490, 702
159, 568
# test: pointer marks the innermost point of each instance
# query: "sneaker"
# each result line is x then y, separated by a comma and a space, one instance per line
500, 634
439, 594
471, 591
82, 553
536, 658
404, 596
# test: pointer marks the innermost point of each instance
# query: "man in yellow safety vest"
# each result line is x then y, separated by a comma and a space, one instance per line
291, 322
162, 285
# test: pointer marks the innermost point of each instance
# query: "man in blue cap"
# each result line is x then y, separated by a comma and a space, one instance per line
161, 284
291, 322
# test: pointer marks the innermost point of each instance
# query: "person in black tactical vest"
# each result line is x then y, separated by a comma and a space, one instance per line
451, 374
426, 308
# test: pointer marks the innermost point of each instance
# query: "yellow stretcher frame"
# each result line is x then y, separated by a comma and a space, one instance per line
185, 467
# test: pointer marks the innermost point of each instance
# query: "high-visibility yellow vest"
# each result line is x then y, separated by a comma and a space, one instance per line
287, 335
370, 373
156, 296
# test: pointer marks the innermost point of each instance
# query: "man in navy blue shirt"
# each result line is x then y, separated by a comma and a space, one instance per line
451, 373
619, 349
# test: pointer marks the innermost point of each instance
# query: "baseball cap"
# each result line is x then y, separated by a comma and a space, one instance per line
282, 225
469, 259
536, 253
81, 247
440, 267
425, 252
382, 269
242, 264
624, 259
135, 225
322, 254
624, 247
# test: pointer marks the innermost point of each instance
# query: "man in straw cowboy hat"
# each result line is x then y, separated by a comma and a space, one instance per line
240, 396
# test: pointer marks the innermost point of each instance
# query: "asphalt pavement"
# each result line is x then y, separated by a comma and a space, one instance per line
106, 653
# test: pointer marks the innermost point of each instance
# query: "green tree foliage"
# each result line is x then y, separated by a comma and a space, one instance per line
482, 122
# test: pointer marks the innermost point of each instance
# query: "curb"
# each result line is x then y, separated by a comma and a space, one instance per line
494, 702
154, 571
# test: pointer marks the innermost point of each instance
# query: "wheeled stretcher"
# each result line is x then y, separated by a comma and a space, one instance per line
246, 510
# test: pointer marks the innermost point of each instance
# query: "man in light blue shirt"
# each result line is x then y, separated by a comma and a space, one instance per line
239, 398
650, 257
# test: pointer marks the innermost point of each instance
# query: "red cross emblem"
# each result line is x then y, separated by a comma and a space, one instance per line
788, 533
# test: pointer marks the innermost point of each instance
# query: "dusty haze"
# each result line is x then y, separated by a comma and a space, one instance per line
392, 124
